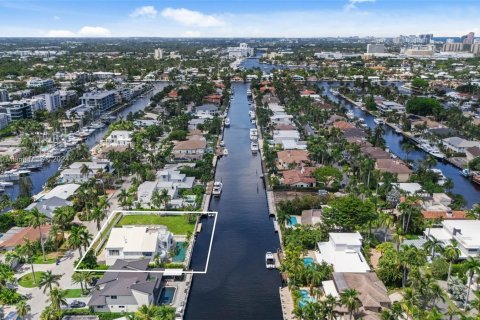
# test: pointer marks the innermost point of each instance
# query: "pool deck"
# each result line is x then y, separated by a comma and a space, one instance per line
181, 294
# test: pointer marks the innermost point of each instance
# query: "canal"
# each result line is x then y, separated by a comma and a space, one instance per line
394, 140
237, 284
40, 177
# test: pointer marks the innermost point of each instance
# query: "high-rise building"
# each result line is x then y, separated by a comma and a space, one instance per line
375, 48
243, 50
452, 47
426, 38
476, 49
469, 38
158, 54
3, 95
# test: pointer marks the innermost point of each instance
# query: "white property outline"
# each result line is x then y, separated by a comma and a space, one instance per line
164, 213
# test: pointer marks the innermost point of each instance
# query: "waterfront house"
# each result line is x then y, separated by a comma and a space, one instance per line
119, 291
138, 242
299, 178
386, 106
372, 293
193, 148
344, 252
63, 191
292, 158
206, 111
394, 166
74, 172
472, 153
168, 179
281, 118
48, 206
464, 232
375, 152
459, 145
119, 138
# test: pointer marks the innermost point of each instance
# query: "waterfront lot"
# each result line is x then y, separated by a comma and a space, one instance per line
175, 224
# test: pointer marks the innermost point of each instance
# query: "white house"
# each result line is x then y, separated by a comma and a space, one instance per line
74, 172
119, 138
344, 252
134, 243
464, 232
457, 144
281, 118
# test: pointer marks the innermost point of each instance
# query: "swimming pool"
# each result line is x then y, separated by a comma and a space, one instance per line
166, 297
292, 221
308, 261
305, 298
181, 252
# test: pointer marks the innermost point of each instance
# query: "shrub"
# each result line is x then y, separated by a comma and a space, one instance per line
439, 268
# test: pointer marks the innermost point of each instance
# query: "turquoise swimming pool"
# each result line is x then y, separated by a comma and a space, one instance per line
181, 252
305, 298
166, 297
292, 221
308, 261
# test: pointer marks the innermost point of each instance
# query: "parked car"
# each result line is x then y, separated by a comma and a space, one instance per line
78, 304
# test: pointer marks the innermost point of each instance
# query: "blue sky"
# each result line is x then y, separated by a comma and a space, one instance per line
237, 18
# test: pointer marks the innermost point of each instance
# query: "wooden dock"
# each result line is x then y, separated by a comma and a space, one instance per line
199, 228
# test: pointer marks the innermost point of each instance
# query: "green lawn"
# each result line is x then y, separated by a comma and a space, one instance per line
412, 237
27, 280
175, 224
39, 260
75, 293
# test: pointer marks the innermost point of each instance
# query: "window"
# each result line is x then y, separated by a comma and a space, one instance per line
121, 307
147, 254
113, 297
113, 252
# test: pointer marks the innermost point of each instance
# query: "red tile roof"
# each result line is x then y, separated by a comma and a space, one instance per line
444, 214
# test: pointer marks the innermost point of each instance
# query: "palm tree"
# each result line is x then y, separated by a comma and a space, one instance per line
452, 310
433, 245
23, 308
349, 298
451, 253
27, 251
153, 312
36, 219
75, 239
86, 237
63, 216
57, 298
48, 279
165, 198
123, 197
472, 266
82, 278
330, 303
409, 302
97, 215
85, 170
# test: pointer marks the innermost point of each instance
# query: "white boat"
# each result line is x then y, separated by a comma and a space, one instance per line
379, 121
217, 188
434, 151
225, 152
254, 146
222, 144
251, 114
334, 92
269, 260
466, 173
441, 178
249, 93
350, 115
253, 121
253, 134
6, 184
227, 122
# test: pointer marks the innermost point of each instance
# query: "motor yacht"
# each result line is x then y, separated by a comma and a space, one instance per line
227, 122
269, 260
254, 146
253, 134
217, 188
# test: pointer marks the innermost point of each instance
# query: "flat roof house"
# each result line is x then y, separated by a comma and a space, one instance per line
465, 232
74, 172
119, 138
126, 291
137, 242
457, 144
344, 252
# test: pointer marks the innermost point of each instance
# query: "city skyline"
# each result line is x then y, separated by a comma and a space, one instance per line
305, 18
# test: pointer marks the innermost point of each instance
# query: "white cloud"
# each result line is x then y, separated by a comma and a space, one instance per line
352, 4
145, 11
191, 34
89, 31
60, 33
191, 18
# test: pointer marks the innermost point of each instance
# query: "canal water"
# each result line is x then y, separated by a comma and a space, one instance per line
393, 141
40, 177
237, 284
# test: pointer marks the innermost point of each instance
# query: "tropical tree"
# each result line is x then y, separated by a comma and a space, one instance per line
451, 253
97, 215
57, 298
23, 308
472, 266
85, 170
349, 298
433, 245
62, 217
152, 312
49, 279
79, 236
27, 251
123, 197
82, 278
37, 219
